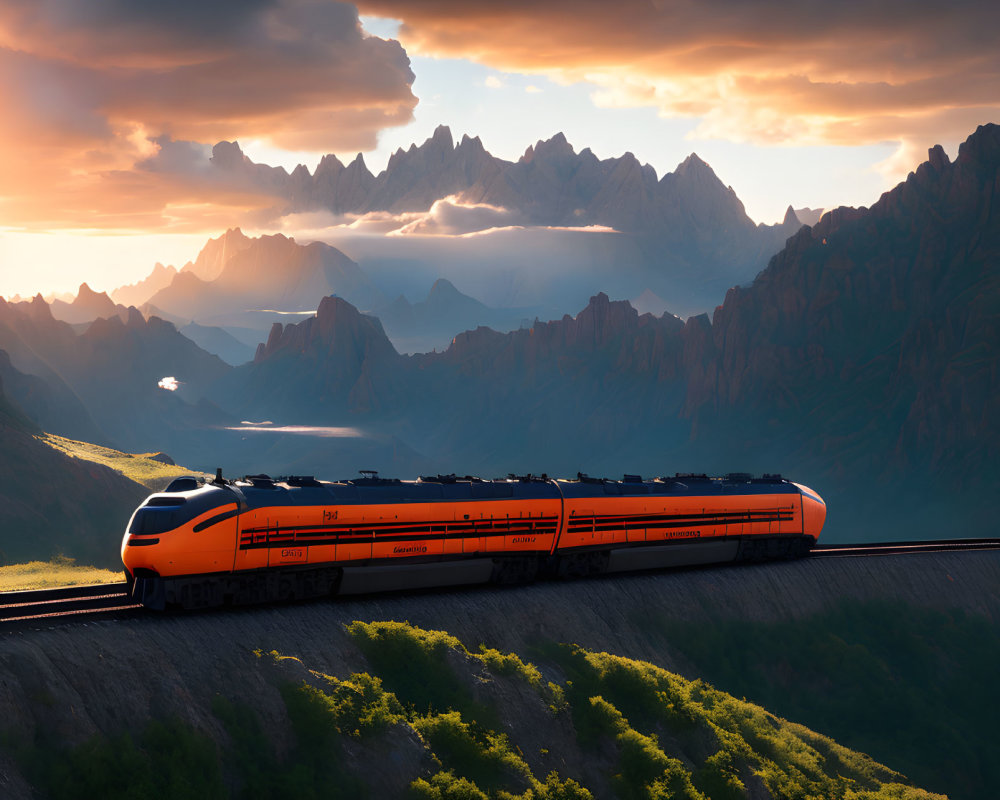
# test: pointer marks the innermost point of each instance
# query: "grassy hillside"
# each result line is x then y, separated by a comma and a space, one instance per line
52, 505
60, 571
152, 470
65, 498
429, 719
862, 670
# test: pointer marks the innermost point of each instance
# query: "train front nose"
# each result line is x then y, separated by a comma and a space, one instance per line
813, 511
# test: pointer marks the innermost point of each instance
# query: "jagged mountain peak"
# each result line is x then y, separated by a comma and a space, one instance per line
214, 256
135, 319
337, 328
440, 142
98, 302
962, 182
471, 142
39, 309
358, 163
555, 147
937, 157
693, 161
441, 136
443, 286
983, 146
444, 296
695, 168
228, 155
329, 164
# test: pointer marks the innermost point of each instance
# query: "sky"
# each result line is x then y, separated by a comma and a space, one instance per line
109, 109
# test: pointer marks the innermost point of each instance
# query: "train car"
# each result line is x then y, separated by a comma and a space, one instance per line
201, 544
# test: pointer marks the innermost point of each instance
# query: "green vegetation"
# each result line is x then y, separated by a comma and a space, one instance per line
169, 761
639, 706
444, 723
60, 571
144, 468
913, 687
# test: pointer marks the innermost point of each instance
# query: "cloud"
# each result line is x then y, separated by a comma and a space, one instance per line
766, 71
325, 432
91, 90
450, 217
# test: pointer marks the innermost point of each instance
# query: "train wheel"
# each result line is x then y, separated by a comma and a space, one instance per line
582, 565
508, 571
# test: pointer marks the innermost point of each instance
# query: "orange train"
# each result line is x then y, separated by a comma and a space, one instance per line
200, 544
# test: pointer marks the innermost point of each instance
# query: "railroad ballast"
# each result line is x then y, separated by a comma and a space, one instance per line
200, 544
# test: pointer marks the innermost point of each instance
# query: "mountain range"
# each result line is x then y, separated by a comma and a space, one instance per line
685, 235
863, 358
555, 228
862, 361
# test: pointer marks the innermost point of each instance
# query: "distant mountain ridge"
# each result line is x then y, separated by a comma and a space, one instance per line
87, 306
687, 217
551, 184
101, 385
237, 273
863, 361
864, 358
684, 237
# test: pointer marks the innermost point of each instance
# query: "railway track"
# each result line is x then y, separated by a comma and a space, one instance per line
901, 548
77, 603
111, 600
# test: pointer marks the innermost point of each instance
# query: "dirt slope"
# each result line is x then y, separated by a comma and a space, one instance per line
71, 682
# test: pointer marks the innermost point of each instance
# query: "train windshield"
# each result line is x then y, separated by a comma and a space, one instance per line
164, 512
155, 519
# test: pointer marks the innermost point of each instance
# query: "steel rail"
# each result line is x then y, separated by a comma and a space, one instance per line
902, 548
112, 601
64, 601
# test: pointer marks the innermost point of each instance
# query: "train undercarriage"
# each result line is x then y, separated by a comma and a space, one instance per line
302, 583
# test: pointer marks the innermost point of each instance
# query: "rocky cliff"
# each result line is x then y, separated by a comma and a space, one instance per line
72, 683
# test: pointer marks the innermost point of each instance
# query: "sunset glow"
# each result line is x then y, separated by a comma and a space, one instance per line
111, 114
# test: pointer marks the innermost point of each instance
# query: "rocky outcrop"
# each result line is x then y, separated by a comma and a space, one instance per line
328, 363
885, 309
338, 331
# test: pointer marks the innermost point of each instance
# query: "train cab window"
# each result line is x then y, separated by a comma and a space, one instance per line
154, 519
161, 514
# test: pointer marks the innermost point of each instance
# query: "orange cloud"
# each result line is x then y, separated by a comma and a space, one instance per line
91, 90
852, 72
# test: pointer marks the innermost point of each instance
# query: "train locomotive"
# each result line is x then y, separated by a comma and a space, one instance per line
200, 543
